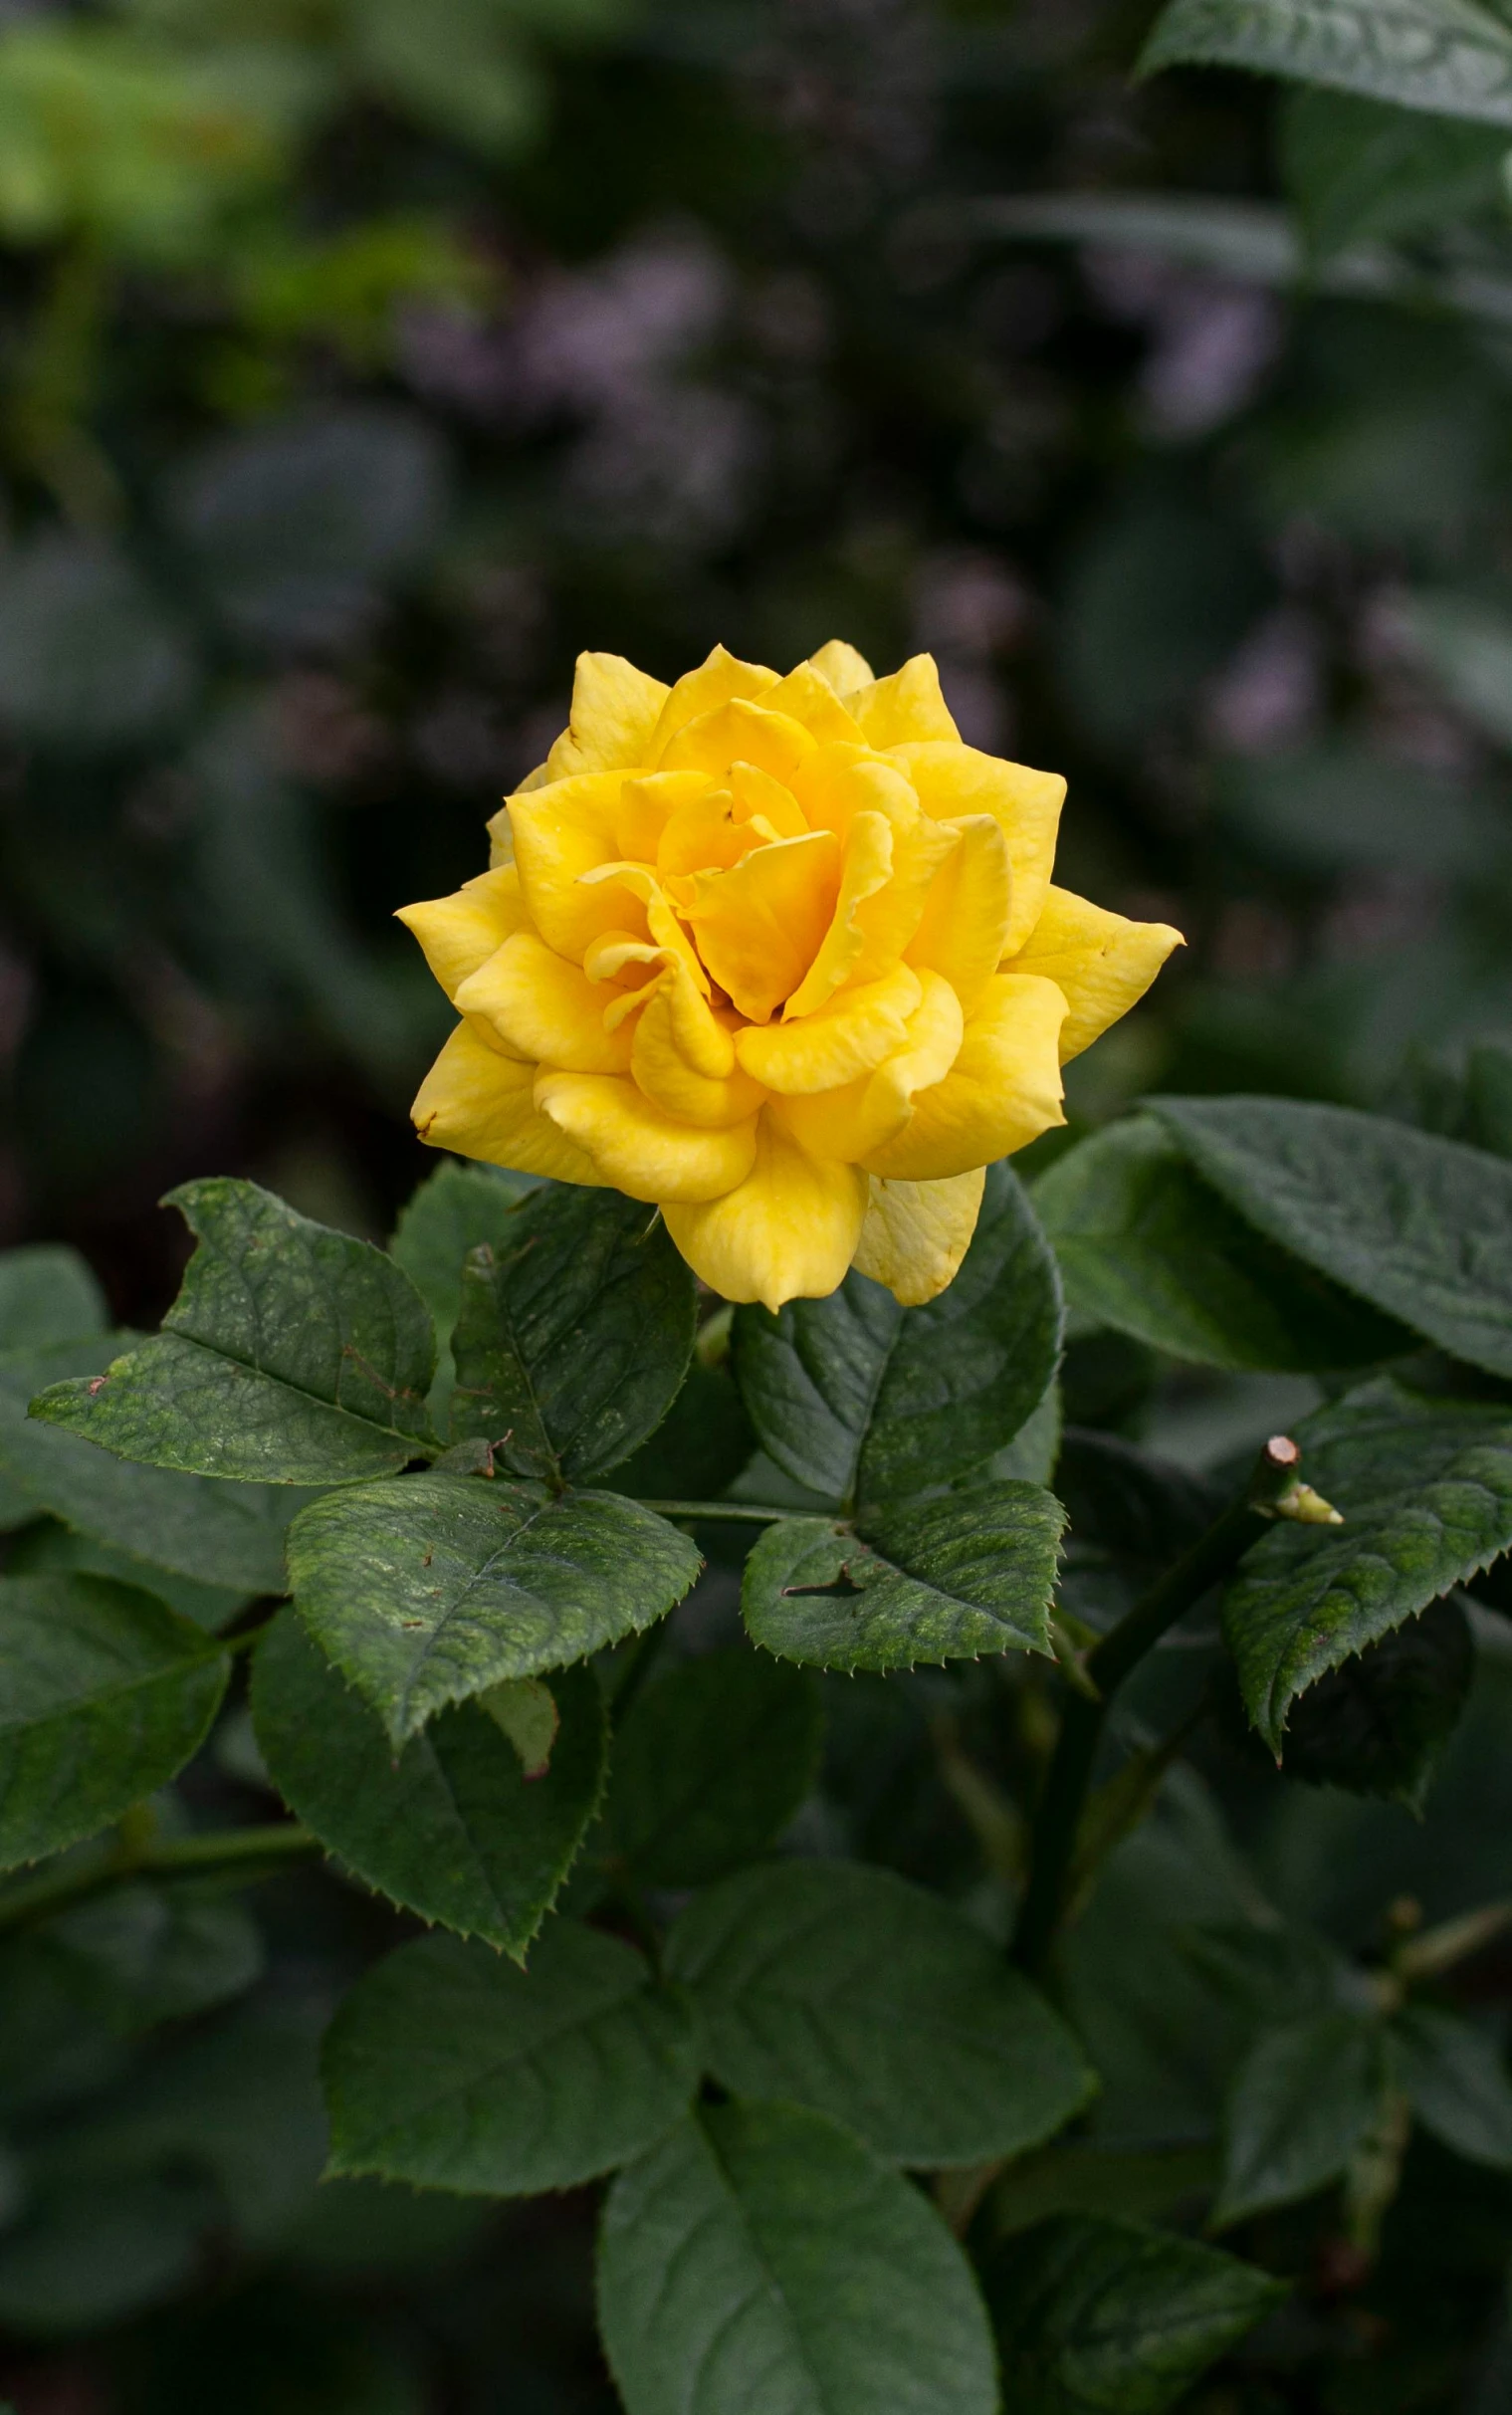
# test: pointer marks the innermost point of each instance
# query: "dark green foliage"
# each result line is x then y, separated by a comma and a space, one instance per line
757, 2241
451, 2069
1302, 2102
1420, 52
107, 1692
1455, 2078
947, 1581
428, 1590
700, 1447
711, 1765
573, 1334
864, 1401
293, 1354
46, 1295
455, 1210
451, 1828
823, 1984
1377, 1723
1092, 2314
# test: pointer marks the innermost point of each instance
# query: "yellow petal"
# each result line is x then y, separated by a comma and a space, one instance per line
849, 1036
842, 666
647, 806
561, 833
953, 781
965, 915
907, 706
666, 930
865, 870
704, 837
759, 926
482, 1105
639, 1148
614, 710
714, 683
740, 732
857, 1119
757, 793
788, 1232
1102, 962
461, 932
916, 1233
544, 1008
1003, 1092
683, 1060
811, 699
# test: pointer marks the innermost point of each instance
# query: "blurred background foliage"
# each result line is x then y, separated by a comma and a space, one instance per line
365, 360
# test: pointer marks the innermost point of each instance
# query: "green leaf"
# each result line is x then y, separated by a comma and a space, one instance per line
429, 1588
104, 1695
293, 1354
844, 1988
1425, 1491
700, 1447
1094, 2316
87, 2254
573, 1335
1442, 54
1146, 1246
859, 1399
1358, 171
229, 1535
455, 1209
452, 1828
759, 2257
1420, 1226
711, 1765
453, 2070
947, 1581
1466, 643
47, 1548
47, 1294
1301, 2102
1455, 2077
1378, 1726
143, 1954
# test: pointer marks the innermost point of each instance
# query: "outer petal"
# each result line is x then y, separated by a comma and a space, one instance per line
815, 700
561, 833
461, 932
544, 1008
481, 1104
760, 925
907, 706
847, 1038
843, 667
714, 683
1102, 963
916, 1233
788, 1232
684, 1060
639, 1148
1003, 1092
966, 916
614, 710
855, 1120
951, 780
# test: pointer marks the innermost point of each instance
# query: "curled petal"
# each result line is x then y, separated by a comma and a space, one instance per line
544, 1008
614, 710
1003, 1092
850, 1035
646, 805
714, 683
740, 732
815, 700
562, 832
904, 708
1101, 962
965, 921
953, 781
461, 932
760, 925
482, 1104
843, 667
788, 1232
866, 867
684, 1060
855, 1120
916, 1233
668, 938
639, 1148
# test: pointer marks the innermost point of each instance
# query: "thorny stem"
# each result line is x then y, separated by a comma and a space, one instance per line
223, 1852
1058, 1818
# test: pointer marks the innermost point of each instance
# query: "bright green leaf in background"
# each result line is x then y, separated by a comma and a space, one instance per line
946, 1580
1448, 56
103, 1694
573, 1334
1099, 2318
759, 2257
428, 1589
452, 1828
709, 1766
1425, 1491
827, 1984
449, 2068
1146, 1247
293, 1354
861, 1400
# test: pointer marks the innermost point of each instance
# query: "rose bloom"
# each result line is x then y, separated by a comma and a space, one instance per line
781, 956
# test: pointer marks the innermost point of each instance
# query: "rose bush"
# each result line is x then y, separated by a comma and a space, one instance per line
781, 955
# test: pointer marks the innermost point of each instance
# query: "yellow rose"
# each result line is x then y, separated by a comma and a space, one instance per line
781, 956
